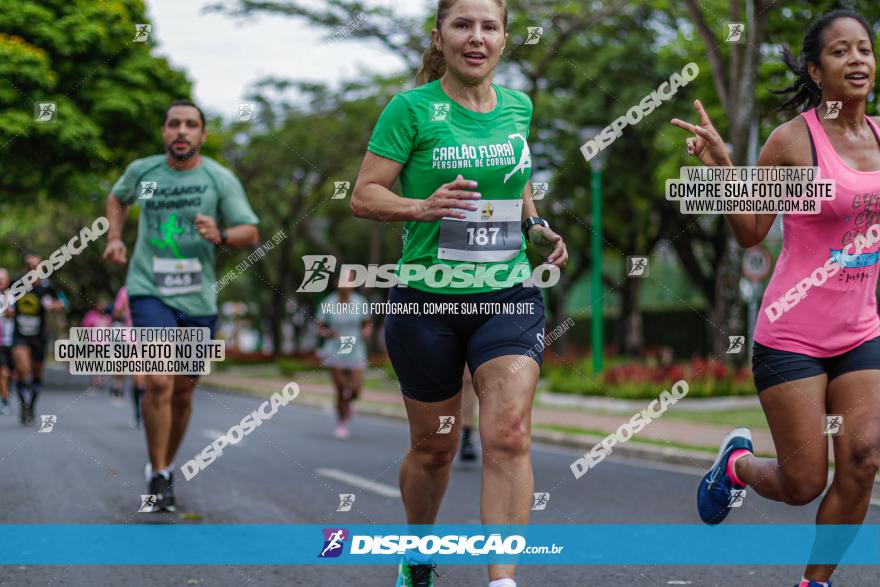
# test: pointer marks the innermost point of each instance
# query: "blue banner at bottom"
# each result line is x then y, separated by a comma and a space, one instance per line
621, 544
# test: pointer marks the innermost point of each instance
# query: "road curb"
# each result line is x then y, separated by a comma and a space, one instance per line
697, 404
663, 454
584, 442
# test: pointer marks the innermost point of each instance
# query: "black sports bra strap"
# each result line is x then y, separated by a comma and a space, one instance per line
813, 143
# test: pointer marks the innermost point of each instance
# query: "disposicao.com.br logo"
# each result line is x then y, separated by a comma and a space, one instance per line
334, 542
320, 268
430, 544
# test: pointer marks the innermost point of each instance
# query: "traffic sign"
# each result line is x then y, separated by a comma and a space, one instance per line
756, 263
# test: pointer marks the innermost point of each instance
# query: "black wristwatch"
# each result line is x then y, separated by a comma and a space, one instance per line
531, 221
223, 237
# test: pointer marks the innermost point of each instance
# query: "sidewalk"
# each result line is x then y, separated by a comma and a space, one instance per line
663, 439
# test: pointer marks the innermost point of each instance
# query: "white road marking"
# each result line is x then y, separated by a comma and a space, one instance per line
570, 451
360, 482
212, 434
629, 461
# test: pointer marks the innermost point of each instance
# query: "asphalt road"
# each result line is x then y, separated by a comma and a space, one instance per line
89, 470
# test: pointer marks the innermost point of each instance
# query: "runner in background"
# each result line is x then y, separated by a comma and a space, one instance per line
183, 198
7, 324
344, 322
122, 319
30, 337
469, 408
97, 317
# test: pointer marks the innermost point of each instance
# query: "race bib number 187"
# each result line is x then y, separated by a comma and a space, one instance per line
486, 235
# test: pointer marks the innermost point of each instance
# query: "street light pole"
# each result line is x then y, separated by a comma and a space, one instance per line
597, 294
596, 289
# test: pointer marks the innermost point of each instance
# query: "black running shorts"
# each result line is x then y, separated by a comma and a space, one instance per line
772, 366
429, 349
36, 344
6, 357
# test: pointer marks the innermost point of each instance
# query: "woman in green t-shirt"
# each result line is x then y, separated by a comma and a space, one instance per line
458, 145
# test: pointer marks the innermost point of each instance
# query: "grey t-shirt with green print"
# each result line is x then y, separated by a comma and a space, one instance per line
171, 260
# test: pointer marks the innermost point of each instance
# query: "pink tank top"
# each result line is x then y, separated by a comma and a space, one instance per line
839, 311
122, 299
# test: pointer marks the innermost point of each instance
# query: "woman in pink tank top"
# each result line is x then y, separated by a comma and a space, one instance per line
122, 318
816, 356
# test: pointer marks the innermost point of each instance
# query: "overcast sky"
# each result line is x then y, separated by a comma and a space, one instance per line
224, 56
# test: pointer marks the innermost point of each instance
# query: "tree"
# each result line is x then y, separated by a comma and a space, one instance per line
742, 75
581, 75
408, 37
109, 93
289, 160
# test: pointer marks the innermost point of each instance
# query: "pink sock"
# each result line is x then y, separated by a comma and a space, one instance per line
731, 465
806, 583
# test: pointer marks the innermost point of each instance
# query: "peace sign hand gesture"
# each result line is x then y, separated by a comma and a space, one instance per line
706, 143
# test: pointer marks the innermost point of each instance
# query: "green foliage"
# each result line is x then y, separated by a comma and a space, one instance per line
294, 366
562, 381
388, 371
288, 161
110, 94
595, 60
646, 379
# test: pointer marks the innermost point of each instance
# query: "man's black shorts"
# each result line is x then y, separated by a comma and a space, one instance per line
6, 357
37, 345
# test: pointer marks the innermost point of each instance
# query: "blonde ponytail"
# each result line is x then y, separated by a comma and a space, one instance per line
433, 63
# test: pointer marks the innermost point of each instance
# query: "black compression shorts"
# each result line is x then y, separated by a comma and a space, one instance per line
772, 366
429, 350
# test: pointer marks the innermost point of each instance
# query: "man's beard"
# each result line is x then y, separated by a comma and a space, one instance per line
183, 156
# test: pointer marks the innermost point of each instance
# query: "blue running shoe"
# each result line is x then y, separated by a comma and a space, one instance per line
714, 493
814, 584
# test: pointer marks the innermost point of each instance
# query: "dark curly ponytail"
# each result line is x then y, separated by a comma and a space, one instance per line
807, 94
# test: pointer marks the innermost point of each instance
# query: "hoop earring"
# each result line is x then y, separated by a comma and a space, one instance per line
819, 83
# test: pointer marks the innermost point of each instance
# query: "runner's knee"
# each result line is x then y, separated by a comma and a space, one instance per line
182, 399
804, 486
159, 385
509, 436
864, 461
435, 454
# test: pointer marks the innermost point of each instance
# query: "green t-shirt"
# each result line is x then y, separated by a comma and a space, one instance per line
171, 260
436, 139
